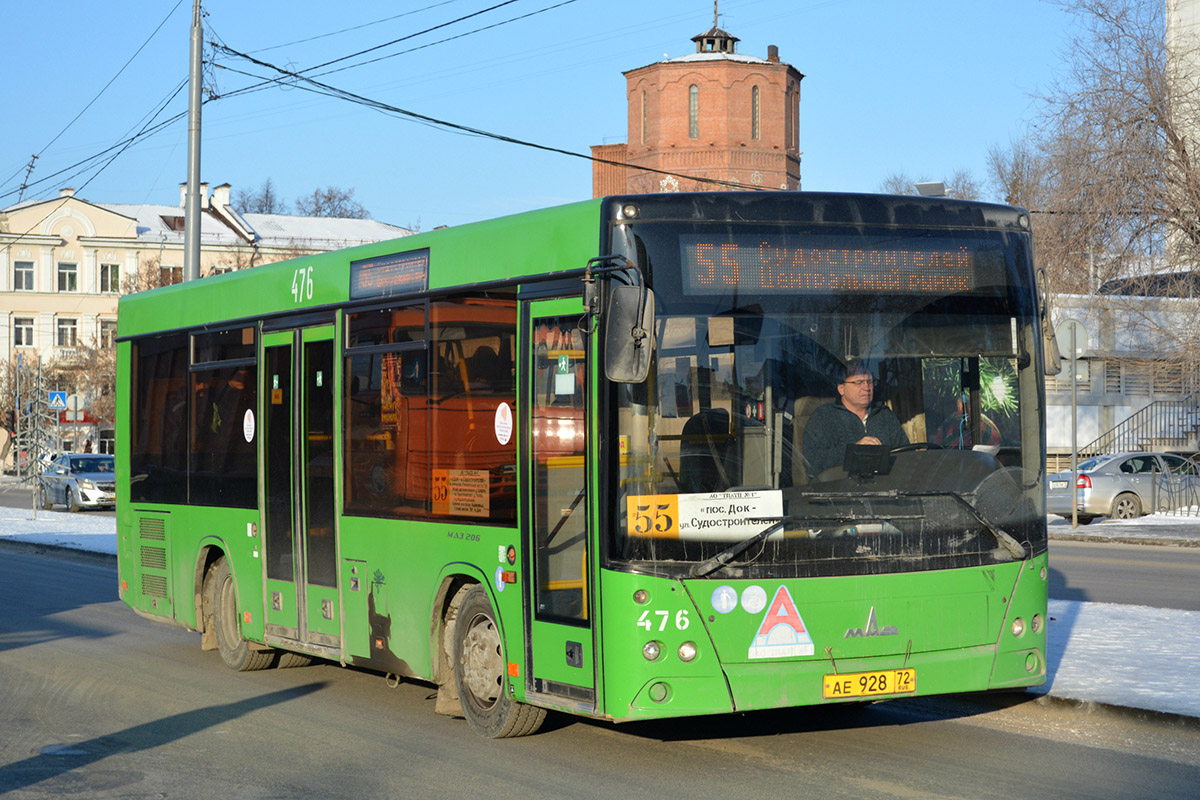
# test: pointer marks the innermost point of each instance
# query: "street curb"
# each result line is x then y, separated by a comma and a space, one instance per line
1125, 712
1165, 542
107, 559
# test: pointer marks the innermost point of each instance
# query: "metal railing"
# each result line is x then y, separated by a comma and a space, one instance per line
1162, 425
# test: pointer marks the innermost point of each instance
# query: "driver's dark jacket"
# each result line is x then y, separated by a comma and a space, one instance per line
833, 426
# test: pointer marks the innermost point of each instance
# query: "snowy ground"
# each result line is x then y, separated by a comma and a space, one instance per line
1130, 656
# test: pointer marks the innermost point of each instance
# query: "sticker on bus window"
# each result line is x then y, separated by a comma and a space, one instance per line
504, 423
717, 516
248, 425
461, 492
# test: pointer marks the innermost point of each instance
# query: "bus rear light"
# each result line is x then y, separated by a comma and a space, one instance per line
1018, 627
652, 650
1084, 482
640, 597
1035, 624
687, 652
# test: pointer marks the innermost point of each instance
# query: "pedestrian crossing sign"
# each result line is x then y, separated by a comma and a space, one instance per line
58, 401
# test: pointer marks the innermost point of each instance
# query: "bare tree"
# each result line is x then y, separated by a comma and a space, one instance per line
263, 200
94, 377
1017, 174
1112, 172
331, 202
961, 185
150, 275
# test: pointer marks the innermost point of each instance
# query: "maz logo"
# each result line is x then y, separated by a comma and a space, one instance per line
872, 628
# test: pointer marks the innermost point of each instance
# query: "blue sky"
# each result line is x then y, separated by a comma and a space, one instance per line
920, 87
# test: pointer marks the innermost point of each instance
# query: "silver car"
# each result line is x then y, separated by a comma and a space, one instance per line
79, 480
1124, 486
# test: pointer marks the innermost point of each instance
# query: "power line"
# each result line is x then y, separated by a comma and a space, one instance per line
318, 87
98, 94
354, 27
266, 83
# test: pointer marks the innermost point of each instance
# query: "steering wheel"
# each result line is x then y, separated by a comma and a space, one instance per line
905, 448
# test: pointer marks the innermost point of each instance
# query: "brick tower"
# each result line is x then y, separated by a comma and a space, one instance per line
714, 114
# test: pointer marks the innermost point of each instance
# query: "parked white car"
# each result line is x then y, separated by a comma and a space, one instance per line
1124, 486
79, 480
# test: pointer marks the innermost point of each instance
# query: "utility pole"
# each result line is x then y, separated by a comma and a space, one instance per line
28, 172
191, 213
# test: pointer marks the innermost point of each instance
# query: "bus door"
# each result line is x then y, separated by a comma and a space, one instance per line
299, 545
560, 656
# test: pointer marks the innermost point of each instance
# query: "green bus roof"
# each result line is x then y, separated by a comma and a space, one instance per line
531, 243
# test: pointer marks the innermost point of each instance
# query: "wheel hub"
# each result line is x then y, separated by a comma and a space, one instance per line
482, 666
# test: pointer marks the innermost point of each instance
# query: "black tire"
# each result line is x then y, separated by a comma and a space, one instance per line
288, 659
72, 501
235, 651
44, 499
1126, 505
479, 673
1084, 519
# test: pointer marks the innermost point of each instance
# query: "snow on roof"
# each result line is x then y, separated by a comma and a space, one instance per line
738, 57
284, 229
272, 230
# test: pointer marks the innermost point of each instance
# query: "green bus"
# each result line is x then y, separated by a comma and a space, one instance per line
563, 459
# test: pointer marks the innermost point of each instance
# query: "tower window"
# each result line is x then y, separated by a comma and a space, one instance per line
693, 112
643, 117
754, 129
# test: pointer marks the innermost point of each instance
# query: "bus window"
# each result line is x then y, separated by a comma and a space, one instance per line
223, 463
422, 437
473, 456
158, 446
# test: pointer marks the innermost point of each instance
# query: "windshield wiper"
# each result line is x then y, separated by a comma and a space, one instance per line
733, 551
1003, 537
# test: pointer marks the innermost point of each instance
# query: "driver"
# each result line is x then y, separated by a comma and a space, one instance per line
851, 419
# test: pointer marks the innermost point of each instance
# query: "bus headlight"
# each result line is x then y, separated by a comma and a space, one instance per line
1018, 627
687, 651
1035, 624
652, 650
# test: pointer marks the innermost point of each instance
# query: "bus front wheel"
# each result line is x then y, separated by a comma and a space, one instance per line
479, 673
236, 652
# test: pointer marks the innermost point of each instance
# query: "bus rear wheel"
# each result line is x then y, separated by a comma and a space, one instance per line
479, 673
235, 651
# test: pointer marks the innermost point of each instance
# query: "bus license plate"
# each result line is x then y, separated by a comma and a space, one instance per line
869, 684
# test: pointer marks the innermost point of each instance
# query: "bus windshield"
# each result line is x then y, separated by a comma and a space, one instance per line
757, 325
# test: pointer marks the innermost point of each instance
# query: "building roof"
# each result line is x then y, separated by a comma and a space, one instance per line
744, 59
269, 230
221, 225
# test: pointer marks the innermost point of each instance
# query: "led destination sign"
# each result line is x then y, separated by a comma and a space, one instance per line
395, 273
776, 263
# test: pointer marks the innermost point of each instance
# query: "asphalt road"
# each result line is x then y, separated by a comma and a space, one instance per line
14, 496
97, 702
1133, 574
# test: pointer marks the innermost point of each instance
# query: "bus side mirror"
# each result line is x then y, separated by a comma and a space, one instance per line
628, 334
1051, 356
